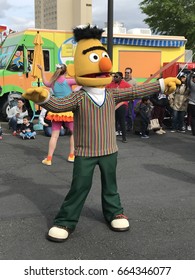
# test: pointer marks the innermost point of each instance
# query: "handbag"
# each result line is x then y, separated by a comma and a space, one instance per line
154, 124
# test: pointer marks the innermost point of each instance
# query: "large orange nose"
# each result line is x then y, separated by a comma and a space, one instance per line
105, 64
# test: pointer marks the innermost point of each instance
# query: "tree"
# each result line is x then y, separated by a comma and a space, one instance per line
171, 17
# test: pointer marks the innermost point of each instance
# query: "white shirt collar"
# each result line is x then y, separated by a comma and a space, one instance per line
96, 94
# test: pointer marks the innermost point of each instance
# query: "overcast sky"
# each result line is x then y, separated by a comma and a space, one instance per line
19, 14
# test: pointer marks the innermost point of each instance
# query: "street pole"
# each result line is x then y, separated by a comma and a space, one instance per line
110, 28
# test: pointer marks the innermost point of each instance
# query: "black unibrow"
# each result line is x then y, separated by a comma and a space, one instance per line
94, 48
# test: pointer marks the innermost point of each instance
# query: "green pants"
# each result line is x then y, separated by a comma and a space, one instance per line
81, 184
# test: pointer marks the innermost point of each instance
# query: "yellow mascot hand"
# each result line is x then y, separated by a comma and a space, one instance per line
37, 95
171, 84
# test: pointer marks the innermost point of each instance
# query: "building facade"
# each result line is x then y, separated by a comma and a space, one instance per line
62, 14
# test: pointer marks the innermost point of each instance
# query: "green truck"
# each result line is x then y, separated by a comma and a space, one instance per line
16, 56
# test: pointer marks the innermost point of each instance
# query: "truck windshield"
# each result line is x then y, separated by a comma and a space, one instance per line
5, 54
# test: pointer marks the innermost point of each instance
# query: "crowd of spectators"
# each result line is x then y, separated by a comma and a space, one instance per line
175, 113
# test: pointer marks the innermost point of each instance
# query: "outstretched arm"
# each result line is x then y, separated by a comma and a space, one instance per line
41, 95
46, 83
166, 86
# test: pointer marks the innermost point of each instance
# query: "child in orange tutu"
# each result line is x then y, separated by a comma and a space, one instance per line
61, 87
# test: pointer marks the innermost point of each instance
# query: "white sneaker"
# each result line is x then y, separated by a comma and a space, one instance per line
162, 131
120, 223
145, 136
71, 158
58, 234
159, 132
46, 162
189, 128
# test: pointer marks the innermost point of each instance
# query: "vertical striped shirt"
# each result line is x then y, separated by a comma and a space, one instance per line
94, 125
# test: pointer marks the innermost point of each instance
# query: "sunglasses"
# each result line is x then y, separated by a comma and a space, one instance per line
116, 77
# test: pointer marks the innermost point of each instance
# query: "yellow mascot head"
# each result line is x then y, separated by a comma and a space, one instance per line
92, 65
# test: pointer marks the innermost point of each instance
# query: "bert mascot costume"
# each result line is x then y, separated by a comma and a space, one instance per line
94, 130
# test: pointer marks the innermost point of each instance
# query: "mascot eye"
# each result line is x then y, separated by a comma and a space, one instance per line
94, 57
104, 54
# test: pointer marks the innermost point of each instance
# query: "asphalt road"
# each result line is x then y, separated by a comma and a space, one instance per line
156, 180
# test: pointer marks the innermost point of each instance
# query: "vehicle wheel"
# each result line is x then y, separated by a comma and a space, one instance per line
4, 110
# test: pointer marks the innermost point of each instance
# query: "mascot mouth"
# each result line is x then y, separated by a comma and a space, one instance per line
97, 75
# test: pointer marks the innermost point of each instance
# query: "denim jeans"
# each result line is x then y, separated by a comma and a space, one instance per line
28, 134
144, 127
192, 114
120, 114
178, 120
129, 115
13, 124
